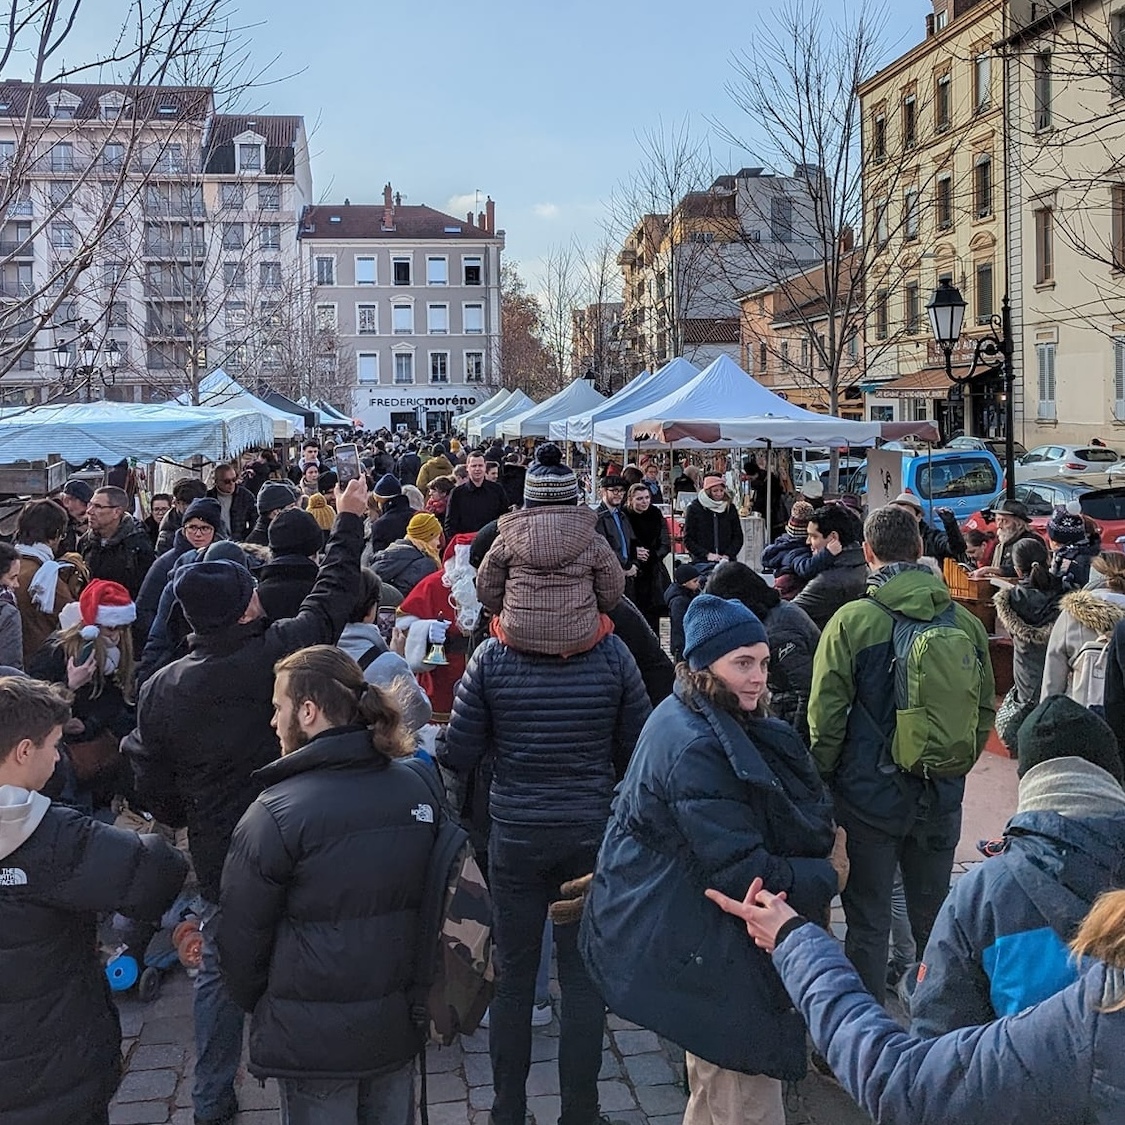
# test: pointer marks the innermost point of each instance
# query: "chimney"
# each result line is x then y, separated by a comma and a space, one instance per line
388, 209
480, 220
490, 215
469, 218
398, 198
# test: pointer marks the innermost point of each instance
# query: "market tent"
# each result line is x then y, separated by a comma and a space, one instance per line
331, 417
485, 425
642, 391
219, 389
723, 406
307, 416
111, 431
488, 406
579, 396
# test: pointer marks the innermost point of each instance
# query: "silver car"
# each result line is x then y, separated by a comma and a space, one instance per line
1045, 460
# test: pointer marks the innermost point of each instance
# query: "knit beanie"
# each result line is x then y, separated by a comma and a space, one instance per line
207, 509
275, 495
214, 594
713, 627
423, 526
799, 518
1061, 728
78, 490
106, 603
387, 486
684, 573
320, 511
294, 532
548, 480
224, 549
327, 480
1066, 527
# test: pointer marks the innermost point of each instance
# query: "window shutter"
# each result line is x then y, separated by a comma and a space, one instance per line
1046, 358
1119, 378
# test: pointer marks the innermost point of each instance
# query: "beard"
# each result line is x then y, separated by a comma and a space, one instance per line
1006, 535
292, 737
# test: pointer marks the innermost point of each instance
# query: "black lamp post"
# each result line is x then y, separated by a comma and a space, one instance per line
947, 316
89, 361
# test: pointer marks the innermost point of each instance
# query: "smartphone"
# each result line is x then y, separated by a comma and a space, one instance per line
347, 463
385, 622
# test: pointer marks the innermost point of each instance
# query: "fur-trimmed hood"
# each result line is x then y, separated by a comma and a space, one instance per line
1098, 610
1026, 613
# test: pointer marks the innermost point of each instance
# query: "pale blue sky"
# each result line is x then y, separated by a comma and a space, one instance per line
537, 105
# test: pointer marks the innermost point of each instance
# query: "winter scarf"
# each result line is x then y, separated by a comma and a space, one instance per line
42, 586
718, 506
1070, 787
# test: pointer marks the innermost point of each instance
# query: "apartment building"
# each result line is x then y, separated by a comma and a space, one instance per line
413, 296
141, 223
933, 202
597, 346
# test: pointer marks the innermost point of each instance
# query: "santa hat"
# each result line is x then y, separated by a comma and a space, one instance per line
106, 603
459, 540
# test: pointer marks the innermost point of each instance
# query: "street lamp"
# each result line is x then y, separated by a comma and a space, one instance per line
90, 361
994, 350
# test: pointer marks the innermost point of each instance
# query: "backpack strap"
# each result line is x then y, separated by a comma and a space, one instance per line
369, 658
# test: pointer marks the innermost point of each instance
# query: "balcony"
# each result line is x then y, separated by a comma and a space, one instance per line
21, 208
626, 257
174, 248
20, 248
166, 209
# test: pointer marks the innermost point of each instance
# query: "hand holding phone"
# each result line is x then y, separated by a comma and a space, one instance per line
347, 463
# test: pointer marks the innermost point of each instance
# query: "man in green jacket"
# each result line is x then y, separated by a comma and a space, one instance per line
893, 817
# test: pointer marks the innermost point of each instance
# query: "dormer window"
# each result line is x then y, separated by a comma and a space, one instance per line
63, 106
110, 106
249, 158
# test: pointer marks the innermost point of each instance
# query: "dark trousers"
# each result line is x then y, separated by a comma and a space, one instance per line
527, 865
925, 853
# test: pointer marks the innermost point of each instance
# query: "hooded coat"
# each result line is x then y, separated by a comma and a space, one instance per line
433, 468
1084, 616
403, 565
1028, 614
548, 576
58, 871
707, 802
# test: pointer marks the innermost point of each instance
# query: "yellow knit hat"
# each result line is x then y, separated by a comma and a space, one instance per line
320, 511
423, 526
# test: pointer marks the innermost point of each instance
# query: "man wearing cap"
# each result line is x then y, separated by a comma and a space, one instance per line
712, 528
474, 502
203, 728
394, 513
1013, 523
274, 497
235, 500
616, 529
939, 545
1000, 943
75, 498
117, 547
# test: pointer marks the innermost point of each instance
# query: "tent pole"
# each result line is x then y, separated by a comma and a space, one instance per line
769, 494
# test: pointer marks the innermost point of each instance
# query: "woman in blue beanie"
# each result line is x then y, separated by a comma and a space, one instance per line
716, 795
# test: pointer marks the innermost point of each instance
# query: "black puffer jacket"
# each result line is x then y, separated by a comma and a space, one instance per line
285, 582
793, 639
58, 870
125, 557
391, 524
843, 582
320, 913
148, 601
203, 722
403, 565
707, 532
559, 731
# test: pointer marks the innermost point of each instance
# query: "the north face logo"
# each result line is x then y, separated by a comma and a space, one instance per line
13, 877
424, 814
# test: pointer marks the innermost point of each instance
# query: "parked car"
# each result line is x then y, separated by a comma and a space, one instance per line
995, 446
961, 479
1100, 496
1044, 460
820, 470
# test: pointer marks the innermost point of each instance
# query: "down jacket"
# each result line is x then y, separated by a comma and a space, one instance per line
793, 638
548, 576
148, 600
391, 523
124, 557
1084, 616
1059, 1063
403, 566
320, 914
1028, 614
557, 732
843, 581
707, 802
58, 871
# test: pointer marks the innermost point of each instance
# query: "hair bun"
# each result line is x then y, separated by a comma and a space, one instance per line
549, 454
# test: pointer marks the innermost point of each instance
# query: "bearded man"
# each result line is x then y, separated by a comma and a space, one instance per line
1013, 523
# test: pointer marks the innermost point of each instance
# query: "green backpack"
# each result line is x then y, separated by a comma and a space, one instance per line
939, 679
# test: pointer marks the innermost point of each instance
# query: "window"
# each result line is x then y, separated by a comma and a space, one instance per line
59, 194
1119, 378
404, 367
1042, 73
473, 319
234, 313
113, 274
367, 367
437, 271
940, 20
853, 345
437, 320
365, 271
233, 236
326, 318
785, 353
882, 315
439, 367
234, 275
944, 201
474, 367
62, 236
250, 158
763, 358
402, 319
982, 82
269, 236
269, 197
982, 187
401, 270
781, 220
472, 270
912, 307
1045, 360
232, 196
1044, 246
1117, 54
269, 275
881, 231
910, 215
879, 137
269, 314
171, 159
367, 320
943, 102
909, 121
326, 271
62, 157
984, 292
113, 157
117, 315
1117, 234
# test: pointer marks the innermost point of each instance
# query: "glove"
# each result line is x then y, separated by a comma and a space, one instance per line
838, 857
568, 910
437, 632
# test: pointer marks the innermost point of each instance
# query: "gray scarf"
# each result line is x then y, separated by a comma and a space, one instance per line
1070, 787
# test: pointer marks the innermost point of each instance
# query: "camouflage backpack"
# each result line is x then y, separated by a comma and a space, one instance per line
453, 979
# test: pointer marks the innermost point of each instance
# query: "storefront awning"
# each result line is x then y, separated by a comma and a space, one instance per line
918, 384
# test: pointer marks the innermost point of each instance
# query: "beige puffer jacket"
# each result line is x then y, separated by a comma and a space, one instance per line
1086, 615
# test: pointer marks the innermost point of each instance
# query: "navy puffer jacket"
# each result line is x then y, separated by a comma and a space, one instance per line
558, 731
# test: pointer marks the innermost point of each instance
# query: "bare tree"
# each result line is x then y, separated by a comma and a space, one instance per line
597, 342
560, 287
526, 362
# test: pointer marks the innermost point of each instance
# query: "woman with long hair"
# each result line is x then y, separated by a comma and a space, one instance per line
410, 559
653, 546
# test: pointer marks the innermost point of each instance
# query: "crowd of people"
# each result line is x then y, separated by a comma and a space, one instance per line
310, 678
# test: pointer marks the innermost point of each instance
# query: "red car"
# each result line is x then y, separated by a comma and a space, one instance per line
1101, 496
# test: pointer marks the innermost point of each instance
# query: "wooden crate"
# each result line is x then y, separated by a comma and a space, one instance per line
32, 478
975, 594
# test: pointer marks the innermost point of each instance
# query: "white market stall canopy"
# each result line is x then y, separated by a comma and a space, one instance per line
112, 431
642, 391
330, 416
488, 406
219, 389
487, 424
536, 422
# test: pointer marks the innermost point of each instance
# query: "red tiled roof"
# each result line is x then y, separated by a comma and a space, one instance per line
363, 220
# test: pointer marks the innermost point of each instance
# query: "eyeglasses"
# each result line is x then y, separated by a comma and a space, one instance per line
225, 480
197, 528
104, 507
615, 489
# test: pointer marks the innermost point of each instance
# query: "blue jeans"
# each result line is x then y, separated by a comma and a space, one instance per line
386, 1100
527, 865
925, 854
218, 1030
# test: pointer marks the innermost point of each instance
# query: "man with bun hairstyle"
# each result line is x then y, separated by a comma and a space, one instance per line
712, 527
